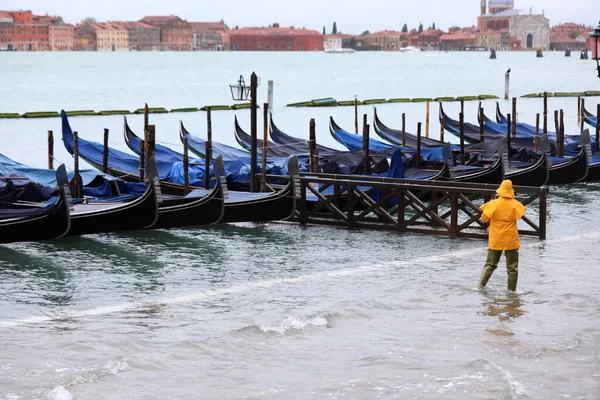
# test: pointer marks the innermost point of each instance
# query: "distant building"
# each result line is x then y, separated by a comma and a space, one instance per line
208, 36
60, 35
111, 37
84, 38
275, 39
533, 30
142, 36
332, 42
29, 33
384, 40
460, 40
175, 33
7, 31
569, 36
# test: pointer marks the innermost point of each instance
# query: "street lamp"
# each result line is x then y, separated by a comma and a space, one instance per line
596, 35
240, 91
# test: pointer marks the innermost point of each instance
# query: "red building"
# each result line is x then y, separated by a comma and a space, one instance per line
30, 33
175, 33
275, 39
7, 31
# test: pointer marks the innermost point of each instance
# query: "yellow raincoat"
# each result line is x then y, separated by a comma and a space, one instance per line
503, 214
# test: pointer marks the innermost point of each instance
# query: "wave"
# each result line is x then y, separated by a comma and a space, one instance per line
291, 324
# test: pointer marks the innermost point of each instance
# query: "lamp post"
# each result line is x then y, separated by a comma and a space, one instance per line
596, 35
240, 92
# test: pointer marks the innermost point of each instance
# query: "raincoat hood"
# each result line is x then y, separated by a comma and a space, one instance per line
506, 189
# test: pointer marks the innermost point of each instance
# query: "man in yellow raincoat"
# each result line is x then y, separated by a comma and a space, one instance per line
502, 215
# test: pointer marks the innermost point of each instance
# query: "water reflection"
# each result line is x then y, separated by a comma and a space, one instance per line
506, 309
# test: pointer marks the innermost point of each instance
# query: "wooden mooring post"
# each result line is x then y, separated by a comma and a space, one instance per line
439, 208
105, 152
461, 120
186, 168
263, 166
514, 113
508, 129
77, 189
418, 162
208, 148
545, 113
367, 169
598, 128
355, 114
50, 150
253, 131
442, 129
312, 145
537, 132
142, 168
403, 129
562, 133
427, 118
578, 109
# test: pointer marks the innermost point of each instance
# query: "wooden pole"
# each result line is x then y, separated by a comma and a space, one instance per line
508, 128
312, 145
253, 130
506, 85
578, 109
364, 124
145, 116
263, 169
150, 141
545, 113
366, 147
481, 127
142, 159
50, 150
105, 152
403, 129
186, 168
76, 181
556, 126
582, 121
514, 114
537, 132
442, 130
461, 120
427, 118
208, 154
206, 166
355, 115
562, 133
598, 126
418, 163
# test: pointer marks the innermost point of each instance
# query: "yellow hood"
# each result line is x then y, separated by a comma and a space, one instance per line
506, 189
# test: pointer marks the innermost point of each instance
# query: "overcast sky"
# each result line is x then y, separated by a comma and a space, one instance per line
352, 16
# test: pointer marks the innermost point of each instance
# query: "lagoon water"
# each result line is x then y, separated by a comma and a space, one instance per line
278, 311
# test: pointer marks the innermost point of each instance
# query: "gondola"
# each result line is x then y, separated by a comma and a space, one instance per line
281, 138
394, 136
173, 211
274, 150
239, 206
110, 215
574, 169
20, 222
471, 132
589, 117
197, 146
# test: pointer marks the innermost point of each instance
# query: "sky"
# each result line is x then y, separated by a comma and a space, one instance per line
351, 16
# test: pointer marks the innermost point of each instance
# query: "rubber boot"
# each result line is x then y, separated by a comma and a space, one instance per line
512, 268
490, 266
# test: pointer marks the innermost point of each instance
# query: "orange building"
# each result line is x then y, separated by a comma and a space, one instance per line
275, 39
175, 33
7, 31
30, 33
60, 35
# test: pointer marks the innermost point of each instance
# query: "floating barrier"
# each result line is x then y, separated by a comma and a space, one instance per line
41, 114
243, 106
400, 100
346, 103
375, 101
326, 102
114, 112
76, 113
216, 108
188, 109
487, 97
445, 99
10, 115
155, 110
421, 99
571, 94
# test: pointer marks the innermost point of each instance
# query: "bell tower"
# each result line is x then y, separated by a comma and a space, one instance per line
483, 7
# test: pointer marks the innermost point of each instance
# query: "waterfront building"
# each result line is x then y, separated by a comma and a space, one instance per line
29, 33
175, 33
84, 38
459, 40
60, 34
275, 39
7, 31
142, 36
497, 40
208, 36
384, 40
533, 30
332, 42
569, 36
111, 37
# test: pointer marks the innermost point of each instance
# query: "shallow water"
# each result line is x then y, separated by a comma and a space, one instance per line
272, 311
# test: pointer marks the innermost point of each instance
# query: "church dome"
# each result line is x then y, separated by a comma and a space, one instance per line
506, 4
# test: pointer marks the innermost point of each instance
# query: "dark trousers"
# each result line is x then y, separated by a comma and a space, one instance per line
512, 267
